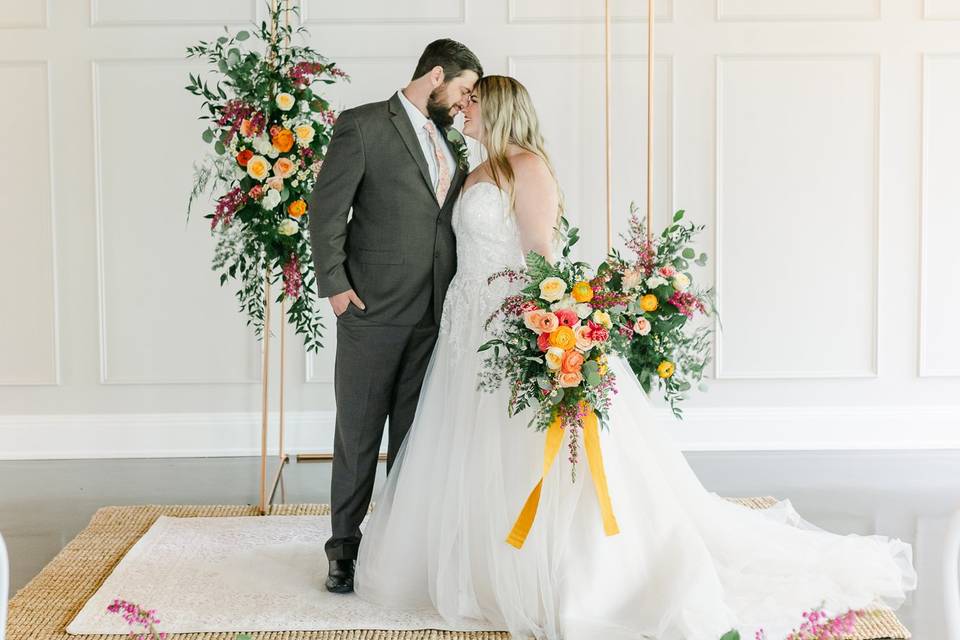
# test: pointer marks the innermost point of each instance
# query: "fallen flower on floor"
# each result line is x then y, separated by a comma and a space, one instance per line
817, 625
137, 616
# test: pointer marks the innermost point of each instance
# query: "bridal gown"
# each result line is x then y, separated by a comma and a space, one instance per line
686, 565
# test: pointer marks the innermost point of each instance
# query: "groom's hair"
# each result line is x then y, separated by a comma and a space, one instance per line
454, 57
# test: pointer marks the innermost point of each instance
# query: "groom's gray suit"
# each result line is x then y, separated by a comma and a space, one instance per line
398, 253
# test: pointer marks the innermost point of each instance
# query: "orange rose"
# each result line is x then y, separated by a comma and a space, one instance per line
244, 157
548, 323
284, 167
297, 208
283, 140
568, 380
572, 362
564, 338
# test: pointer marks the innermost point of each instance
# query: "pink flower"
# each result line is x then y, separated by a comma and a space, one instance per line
292, 278
543, 341
597, 332
667, 271
566, 317
641, 326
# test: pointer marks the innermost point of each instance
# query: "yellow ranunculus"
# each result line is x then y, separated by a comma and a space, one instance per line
552, 289
602, 318
582, 291
563, 338
258, 167
602, 361
665, 370
649, 303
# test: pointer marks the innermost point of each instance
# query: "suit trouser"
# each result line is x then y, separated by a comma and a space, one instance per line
378, 373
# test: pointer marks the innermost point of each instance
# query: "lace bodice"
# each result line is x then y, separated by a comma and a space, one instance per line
487, 235
488, 241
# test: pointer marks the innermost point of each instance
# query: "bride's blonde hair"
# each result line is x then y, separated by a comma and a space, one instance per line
508, 117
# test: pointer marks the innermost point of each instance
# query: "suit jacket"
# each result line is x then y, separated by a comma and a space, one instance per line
397, 251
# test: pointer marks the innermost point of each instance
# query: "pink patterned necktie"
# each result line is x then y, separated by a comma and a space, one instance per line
443, 170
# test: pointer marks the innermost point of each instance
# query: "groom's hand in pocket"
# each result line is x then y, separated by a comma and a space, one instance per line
341, 301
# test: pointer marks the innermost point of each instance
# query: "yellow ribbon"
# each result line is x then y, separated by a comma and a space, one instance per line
591, 443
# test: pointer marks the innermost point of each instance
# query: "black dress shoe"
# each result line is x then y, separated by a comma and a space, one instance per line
340, 576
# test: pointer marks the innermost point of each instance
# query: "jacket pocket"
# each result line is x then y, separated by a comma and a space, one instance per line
370, 256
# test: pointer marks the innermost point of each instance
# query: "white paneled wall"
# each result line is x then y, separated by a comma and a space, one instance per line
817, 140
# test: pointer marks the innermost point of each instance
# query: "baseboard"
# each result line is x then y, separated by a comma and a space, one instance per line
180, 435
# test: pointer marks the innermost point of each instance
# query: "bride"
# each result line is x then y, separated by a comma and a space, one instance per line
686, 565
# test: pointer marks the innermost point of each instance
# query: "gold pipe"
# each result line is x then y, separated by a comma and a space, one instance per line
265, 384
607, 118
650, 21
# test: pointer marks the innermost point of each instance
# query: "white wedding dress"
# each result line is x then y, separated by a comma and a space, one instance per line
686, 565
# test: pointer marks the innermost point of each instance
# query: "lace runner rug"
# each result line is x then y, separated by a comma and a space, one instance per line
211, 571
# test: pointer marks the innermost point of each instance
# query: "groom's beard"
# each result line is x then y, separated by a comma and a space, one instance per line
438, 112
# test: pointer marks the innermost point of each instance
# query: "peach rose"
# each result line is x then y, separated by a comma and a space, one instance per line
641, 326
247, 130
582, 334
567, 317
305, 133
284, 167
568, 380
533, 319
275, 183
549, 323
258, 167
572, 362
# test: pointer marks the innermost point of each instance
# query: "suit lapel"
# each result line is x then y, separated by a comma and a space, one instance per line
402, 122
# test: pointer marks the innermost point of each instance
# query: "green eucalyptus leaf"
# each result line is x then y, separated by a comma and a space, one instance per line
689, 253
219, 148
208, 136
243, 35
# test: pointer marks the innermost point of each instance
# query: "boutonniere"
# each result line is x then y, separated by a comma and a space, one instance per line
460, 146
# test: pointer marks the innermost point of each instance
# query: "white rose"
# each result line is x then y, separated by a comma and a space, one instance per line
288, 227
261, 144
566, 302
552, 289
655, 281
554, 358
271, 200
681, 282
631, 278
285, 101
583, 310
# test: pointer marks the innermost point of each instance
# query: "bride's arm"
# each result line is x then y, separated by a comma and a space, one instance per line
537, 203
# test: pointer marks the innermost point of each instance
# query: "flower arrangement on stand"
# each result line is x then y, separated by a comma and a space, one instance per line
269, 128
654, 335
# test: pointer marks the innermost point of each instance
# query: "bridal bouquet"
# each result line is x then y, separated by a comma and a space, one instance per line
550, 344
269, 129
653, 333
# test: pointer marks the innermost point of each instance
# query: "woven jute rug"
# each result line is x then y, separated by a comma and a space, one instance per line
49, 602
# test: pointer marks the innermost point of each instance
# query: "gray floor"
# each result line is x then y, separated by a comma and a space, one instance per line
904, 494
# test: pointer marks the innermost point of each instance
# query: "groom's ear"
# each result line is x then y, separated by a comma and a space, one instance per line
437, 76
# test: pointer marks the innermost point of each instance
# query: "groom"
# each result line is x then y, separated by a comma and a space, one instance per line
386, 269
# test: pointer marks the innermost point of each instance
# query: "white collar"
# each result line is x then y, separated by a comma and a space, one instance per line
417, 119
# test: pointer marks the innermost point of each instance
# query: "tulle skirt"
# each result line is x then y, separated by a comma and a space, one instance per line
686, 565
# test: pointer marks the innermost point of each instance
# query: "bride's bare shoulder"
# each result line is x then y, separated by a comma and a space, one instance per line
531, 171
